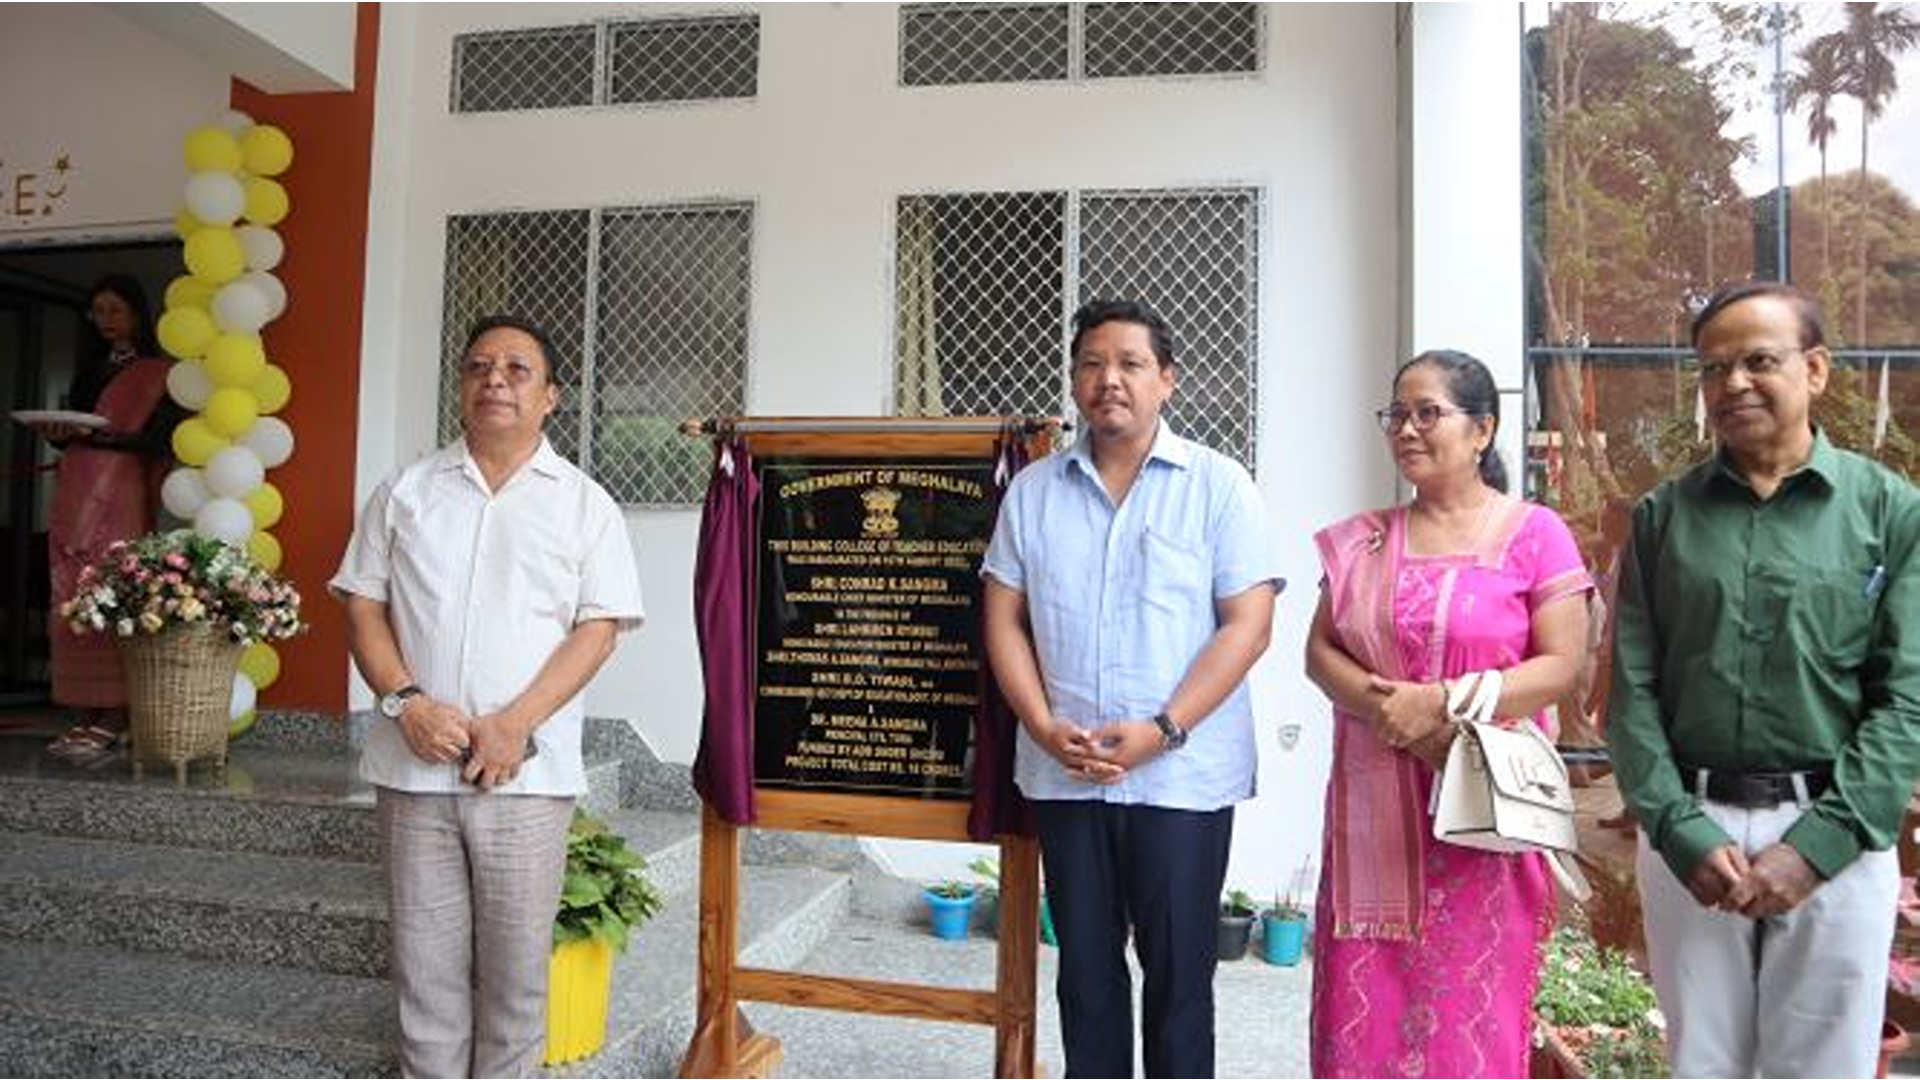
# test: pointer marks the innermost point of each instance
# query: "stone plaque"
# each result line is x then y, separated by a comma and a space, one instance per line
869, 586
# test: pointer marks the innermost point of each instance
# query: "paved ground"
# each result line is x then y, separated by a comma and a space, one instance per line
1261, 1022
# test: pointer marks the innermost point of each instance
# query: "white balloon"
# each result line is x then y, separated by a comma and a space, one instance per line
215, 197
184, 492
233, 472
263, 246
271, 440
244, 695
234, 121
240, 307
271, 288
189, 384
224, 519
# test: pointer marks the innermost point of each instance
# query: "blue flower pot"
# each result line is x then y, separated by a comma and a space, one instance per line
949, 916
1281, 940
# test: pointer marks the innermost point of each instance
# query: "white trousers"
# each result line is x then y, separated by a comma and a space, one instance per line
1800, 994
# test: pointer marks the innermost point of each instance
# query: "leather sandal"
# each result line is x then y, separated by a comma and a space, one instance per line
86, 744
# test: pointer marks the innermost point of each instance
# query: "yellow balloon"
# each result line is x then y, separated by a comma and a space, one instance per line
230, 412
186, 332
237, 728
261, 664
211, 149
235, 359
264, 549
272, 389
184, 223
187, 291
194, 443
266, 505
265, 150
266, 201
214, 255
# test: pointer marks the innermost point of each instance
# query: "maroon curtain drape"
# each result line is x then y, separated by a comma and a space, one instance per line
722, 591
998, 807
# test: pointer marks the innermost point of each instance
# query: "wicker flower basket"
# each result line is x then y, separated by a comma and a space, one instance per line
179, 690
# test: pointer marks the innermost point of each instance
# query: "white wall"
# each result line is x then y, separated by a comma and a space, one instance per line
823, 152
113, 100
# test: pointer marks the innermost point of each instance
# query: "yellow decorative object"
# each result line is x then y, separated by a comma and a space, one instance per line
235, 359
261, 663
265, 150
272, 389
211, 149
187, 291
265, 549
230, 412
239, 727
194, 443
579, 982
214, 255
266, 201
186, 332
185, 224
266, 505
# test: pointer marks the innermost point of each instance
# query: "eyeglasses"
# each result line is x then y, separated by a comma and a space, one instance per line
1754, 363
517, 372
1424, 417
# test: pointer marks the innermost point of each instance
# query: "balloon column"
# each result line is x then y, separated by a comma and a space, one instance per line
212, 322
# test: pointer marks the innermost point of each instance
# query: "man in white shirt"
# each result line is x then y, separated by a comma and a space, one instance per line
484, 586
1130, 587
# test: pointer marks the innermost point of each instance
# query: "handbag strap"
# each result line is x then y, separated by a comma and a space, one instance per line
1473, 698
1566, 871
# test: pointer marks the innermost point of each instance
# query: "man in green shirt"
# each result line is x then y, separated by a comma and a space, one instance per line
1765, 712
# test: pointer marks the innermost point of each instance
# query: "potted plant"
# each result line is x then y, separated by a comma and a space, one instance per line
1283, 926
987, 869
1236, 924
950, 908
1597, 1013
604, 895
184, 607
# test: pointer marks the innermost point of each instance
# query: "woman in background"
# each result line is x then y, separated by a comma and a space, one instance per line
105, 489
1426, 954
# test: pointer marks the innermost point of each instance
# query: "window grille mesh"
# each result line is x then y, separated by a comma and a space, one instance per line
684, 59
980, 283
1193, 256
670, 343
533, 265
981, 308
949, 44
508, 70
1129, 40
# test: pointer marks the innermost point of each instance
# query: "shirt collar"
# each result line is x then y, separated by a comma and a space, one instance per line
1823, 461
1167, 447
456, 456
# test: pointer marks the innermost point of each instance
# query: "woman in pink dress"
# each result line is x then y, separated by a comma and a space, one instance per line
1426, 954
106, 489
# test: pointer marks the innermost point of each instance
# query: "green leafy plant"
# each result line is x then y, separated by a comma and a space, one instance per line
1290, 907
988, 870
1602, 1007
1238, 904
606, 891
951, 890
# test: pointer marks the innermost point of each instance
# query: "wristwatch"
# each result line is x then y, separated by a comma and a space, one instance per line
1172, 735
394, 704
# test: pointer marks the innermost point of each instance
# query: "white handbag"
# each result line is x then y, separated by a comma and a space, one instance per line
1504, 789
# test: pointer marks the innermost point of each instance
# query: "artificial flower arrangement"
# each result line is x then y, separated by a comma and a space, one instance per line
167, 580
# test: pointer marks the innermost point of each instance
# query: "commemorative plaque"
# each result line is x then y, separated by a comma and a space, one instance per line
869, 585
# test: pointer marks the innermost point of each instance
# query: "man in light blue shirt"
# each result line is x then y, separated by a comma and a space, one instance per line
1130, 587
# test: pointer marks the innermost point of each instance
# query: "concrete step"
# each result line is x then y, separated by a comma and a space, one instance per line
270, 800
86, 1010
275, 910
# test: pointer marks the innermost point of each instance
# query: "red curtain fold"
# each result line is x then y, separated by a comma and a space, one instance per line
998, 807
722, 595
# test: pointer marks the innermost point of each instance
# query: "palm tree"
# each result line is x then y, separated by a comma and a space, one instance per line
1866, 46
1818, 84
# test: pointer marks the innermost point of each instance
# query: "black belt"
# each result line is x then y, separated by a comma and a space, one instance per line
1760, 789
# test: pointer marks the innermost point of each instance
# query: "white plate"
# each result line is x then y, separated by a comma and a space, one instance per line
60, 416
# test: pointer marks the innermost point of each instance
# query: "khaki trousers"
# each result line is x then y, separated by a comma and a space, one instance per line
1800, 994
473, 883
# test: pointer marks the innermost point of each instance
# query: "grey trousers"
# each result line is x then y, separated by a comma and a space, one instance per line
473, 882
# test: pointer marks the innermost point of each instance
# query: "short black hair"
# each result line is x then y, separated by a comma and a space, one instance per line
1095, 312
488, 323
1471, 387
1805, 307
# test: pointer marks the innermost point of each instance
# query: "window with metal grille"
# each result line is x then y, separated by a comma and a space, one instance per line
648, 309
629, 62
985, 285
954, 44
